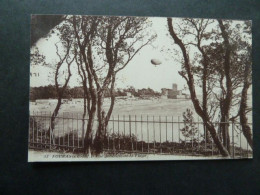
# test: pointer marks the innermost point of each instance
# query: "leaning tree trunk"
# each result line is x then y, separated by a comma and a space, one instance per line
190, 82
54, 114
242, 113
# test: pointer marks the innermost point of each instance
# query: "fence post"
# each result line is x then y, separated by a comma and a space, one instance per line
153, 135
72, 130
205, 136
124, 130
118, 132
198, 134
130, 129
192, 138
172, 136
160, 134
113, 133
166, 129
233, 144
63, 130
78, 128
142, 133
179, 129
240, 145
51, 131
136, 134
147, 135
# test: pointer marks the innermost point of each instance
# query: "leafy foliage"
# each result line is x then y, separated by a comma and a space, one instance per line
190, 130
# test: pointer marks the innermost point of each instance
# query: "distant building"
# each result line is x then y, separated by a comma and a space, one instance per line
129, 94
173, 93
174, 87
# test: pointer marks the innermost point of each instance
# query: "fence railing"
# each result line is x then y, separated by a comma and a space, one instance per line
140, 134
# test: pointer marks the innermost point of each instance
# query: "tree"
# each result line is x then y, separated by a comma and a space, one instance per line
106, 45
60, 88
187, 74
121, 38
189, 130
217, 68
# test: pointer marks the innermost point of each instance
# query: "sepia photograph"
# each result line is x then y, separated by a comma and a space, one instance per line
126, 88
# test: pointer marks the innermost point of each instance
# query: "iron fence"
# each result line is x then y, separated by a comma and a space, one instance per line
139, 134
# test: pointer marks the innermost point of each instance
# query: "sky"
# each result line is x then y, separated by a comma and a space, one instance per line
139, 73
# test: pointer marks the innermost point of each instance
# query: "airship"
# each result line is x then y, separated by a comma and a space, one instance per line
155, 62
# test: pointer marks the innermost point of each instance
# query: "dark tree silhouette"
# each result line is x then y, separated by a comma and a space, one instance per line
41, 25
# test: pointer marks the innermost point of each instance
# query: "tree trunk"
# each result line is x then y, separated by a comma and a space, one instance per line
224, 126
101, 130
91, 118
242, 113
190, 82
223, 151
54, 114
112, 98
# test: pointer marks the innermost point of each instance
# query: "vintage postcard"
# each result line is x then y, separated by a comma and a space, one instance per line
121, 88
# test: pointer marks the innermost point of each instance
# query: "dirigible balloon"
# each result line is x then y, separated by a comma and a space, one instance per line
156, 62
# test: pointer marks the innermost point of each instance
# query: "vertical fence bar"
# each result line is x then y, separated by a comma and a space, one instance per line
52, 135
113, 133
83, 132
45, 131
172, 129
198, 134
185, 129
226, 131
142, 133
160, 134
51, 130
240, 144
68, 131
153, 135
219, 134
247, 148
212, 147
172, 136
233, 142
38, 130
32, 119
205, 136
148, 136
166, 128
72, 131
108, 139
179, 129
136, 134
130, 129
118, 132
78, 128
192, 138
37, 133
63, 134
58, 124
124, 130
44, 126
